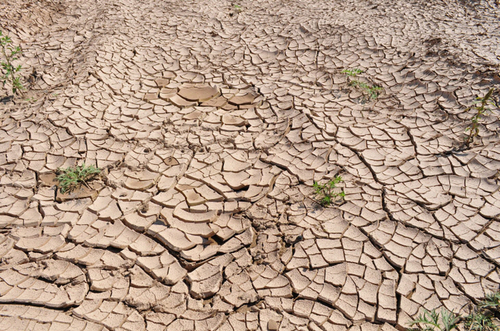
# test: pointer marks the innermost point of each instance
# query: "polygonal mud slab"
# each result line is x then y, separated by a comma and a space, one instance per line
197, 92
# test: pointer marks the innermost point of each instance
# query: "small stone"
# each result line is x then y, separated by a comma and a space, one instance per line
215, 102
81, 192
162, 82
167, 93
49, 179
198, 93
151, 96
233, 120
247, 98
181, 102
272, 325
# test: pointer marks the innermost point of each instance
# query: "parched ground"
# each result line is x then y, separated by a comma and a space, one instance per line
211, 120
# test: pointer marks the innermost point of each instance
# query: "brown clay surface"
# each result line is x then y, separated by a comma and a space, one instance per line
211, 122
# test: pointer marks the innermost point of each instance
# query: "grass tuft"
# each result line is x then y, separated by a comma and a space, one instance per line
434, 321
480, 108
9, 71
73, 177
327, 193
483, 317
372, 91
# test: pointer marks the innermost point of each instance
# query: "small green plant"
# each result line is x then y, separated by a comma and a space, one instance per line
478, 321
237, 7
372, 91
9, 71
352, 72
434, 321
482, 316
326, 192
73, 177
481, 109
492, 301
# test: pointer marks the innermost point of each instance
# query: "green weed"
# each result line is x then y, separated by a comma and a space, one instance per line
352, 72
483, 315
327, 193
73, 177
492, 301
477, 321
480, 108
434, 321
372, 91
9, 71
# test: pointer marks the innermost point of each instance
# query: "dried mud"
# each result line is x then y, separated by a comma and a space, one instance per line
211, 120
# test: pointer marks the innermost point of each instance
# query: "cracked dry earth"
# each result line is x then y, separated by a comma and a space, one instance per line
211, 122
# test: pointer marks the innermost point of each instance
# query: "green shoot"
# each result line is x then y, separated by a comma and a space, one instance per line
9, 71
482, 316
492, 301
73, 177
434, 321
481, 109
479, 321
372, 91
327, 193
352, 72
